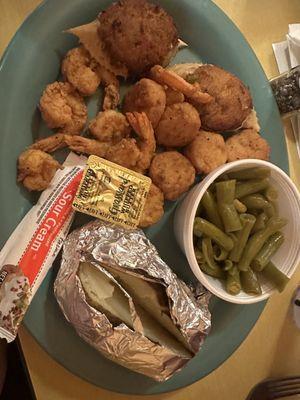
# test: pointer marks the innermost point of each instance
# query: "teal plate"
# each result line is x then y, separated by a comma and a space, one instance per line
31, 61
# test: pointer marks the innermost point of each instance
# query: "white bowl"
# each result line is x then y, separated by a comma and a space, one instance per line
286, 258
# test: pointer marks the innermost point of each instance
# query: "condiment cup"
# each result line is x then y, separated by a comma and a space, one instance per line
287, 258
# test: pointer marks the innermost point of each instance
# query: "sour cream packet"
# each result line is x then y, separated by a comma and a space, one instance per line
31, 249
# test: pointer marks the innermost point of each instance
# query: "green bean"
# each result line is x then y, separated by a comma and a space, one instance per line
199, 256
228, 265
247, 221
275, 276
250, 282
268, 249
202, 226
208, 255
258, 202
199, 210
220, 254
210, 207
225, 196
271, 193
250, 173
239, 206
249, 187
260, 222
219, 274
233, 282
257, 240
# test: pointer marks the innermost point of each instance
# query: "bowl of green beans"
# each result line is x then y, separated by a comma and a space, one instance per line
240, 230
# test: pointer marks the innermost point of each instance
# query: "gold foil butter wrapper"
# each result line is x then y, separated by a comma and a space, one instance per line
112, 193
102, 244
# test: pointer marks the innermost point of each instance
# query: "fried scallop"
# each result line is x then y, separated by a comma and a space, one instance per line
36, 169
147, 96
154, 207
109, 126
80, 70
138, 34
231, 102
172, 173
62, 107
206, 152
178, 125
247, 144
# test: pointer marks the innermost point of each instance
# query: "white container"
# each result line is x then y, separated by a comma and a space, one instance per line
287, 258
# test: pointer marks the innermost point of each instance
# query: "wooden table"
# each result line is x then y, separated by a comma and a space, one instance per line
273, 346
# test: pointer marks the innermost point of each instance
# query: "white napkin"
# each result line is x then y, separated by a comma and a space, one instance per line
287, 54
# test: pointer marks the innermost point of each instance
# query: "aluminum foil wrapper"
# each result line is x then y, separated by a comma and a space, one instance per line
101, 244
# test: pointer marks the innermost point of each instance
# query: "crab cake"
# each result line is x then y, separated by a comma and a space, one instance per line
178, 126
138, 34
172, 173
207, 151
247, 144
148, 96
231, 102
154, 207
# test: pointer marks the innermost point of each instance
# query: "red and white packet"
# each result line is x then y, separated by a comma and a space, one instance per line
30, 251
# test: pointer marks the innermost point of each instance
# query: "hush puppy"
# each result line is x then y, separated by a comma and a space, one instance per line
148, 96
207, 152
247, 144
172, 173
178, 125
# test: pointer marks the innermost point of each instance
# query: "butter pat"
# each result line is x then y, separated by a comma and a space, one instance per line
112, 193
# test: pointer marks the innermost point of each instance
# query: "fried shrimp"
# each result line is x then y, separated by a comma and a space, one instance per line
147, 96
247, 144
146, 140
81, 71
125, 153
36, 169
154, 207
170, 78
178, 125
86, 146
50, 143
109, 126
206, 152
172, 173
62, 107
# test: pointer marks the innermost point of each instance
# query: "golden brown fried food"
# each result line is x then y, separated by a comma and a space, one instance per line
231, 103
125, 153
147, 96
174, 81
206, 152
87, 146
154, 207
247, 144
172, 173
109, 126
138, 34
36, 169
62, 107
178, 125
50, 143
173, 96
81, 71
146, 140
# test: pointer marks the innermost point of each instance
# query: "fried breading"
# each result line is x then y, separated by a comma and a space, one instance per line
138, 34
153, 208
247, 144
207, 151
109, 126
172, 173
